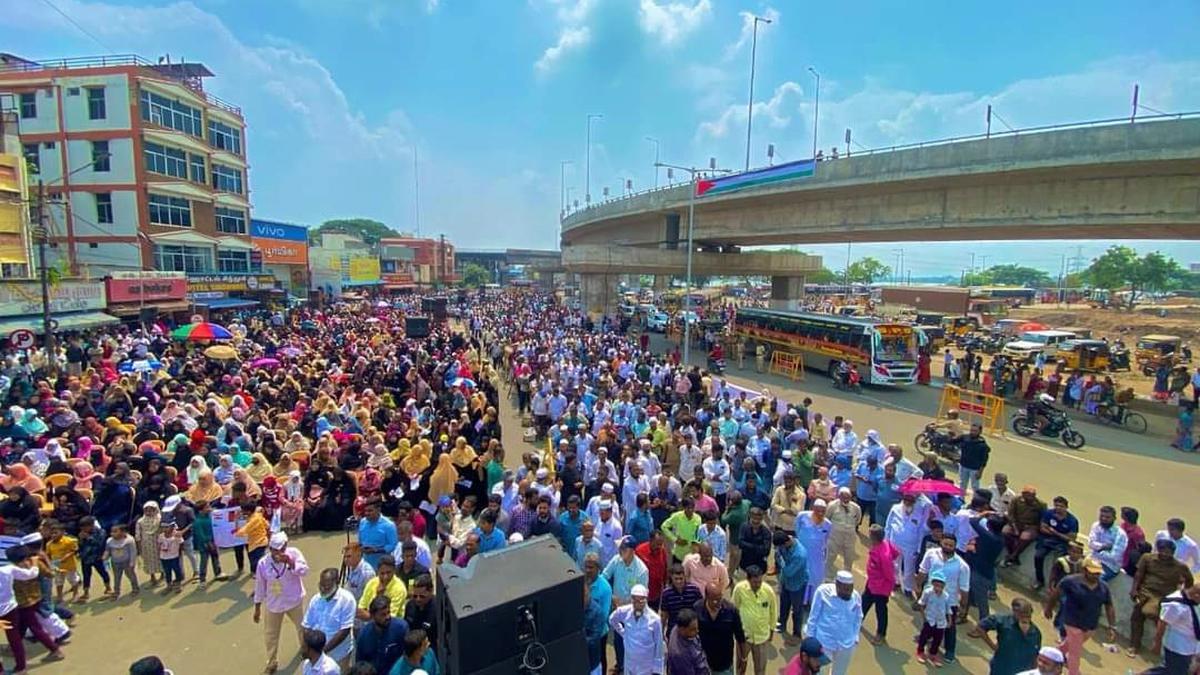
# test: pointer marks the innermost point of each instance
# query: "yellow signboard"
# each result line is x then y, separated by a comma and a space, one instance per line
364, 269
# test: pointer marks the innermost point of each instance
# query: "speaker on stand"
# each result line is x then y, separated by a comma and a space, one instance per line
416, 326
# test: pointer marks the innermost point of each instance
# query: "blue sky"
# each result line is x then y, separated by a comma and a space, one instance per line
492, 95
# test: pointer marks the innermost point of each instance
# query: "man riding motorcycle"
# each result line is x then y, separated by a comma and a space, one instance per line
1041, 410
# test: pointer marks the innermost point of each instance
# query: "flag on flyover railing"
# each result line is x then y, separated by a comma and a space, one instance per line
772, 174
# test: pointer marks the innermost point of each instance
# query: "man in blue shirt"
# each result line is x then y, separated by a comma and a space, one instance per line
1058, 527
376, 533
490, 536
570, 524
867, 477
381, 640
791, 564
598, 594
639, 523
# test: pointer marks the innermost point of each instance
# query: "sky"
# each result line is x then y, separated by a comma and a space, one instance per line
491, 96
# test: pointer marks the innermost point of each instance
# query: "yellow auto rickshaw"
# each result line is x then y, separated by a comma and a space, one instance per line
1090, 355
1155, 350
960, 326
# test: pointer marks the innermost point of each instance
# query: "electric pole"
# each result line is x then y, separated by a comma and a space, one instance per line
43, 234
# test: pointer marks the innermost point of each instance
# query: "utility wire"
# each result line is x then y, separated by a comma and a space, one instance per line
75, 23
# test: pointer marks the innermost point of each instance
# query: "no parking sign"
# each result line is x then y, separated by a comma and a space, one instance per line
21, 338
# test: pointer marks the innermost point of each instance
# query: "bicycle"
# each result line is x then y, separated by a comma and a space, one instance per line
1122, 417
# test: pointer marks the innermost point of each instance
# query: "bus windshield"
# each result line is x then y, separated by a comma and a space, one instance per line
895, 343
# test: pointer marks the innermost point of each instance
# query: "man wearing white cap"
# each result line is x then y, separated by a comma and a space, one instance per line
607, 494
844, 514
608, 531
279, 584
812, 531
835, 619
1049, 662
640, 630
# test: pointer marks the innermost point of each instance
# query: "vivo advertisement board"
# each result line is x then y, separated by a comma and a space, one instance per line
268, 229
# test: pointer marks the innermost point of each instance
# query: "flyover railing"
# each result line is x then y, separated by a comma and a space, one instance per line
919, 144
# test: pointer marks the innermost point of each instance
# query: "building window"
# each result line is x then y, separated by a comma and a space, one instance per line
226, 178
32, 158
196, 164
232, 262
96, 109
13, 270
230, 221
170, 113
100, 156
166, 160
194, 259
28, 105
170, 211
104, 207
224, 137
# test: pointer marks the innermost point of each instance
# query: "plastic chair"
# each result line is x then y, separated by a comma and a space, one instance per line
56, 480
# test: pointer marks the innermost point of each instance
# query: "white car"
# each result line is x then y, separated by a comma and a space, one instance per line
1033, 343
657, 322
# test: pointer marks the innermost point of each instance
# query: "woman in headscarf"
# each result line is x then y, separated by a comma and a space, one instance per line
259, 468
146, 533
83, 473
241, 477
224, 471
69, 507
379, 459
291, 502
271, 498
31, 424
20, 475
113, 502
369, 487
241, 451
296, 441
329, 500
204, 489
471, 478
20, 511
443, 480
283, 467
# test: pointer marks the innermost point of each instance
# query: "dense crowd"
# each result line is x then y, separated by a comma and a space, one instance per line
706, 519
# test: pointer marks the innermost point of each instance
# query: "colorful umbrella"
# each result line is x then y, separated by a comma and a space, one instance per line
140, 366
1029, 326
221, 353
291, 352
265, 362
464, 382
928, 486
201, 331
374, 319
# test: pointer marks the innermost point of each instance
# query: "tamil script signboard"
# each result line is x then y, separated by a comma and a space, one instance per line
20, 298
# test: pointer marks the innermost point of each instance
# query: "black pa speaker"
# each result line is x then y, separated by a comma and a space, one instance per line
517, 610
416, 326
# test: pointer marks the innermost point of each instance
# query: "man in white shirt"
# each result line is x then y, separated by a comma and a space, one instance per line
316, 661
835, 618
845, 440
639, 629
404, 535
905, 468
608, 531
1107, 543
1186, 550
1002, 494
1178, 635
718, 474
331, 612
358, 571
905, 528
690, 456
957, 573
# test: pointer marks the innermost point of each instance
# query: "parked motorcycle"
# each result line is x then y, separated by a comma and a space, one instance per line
932, 440
1058, 425
716, 366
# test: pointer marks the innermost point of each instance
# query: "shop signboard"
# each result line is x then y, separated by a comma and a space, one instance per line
20, 298
281, 251
363, 270
229, 283
146, 290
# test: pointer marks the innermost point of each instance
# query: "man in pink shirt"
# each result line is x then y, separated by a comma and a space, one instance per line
881, 580
279, 583
703, 568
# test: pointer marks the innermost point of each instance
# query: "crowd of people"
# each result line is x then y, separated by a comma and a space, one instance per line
705, 519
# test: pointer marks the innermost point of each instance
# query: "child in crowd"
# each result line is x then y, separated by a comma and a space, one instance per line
255, 532
935, 604
204, 542
91, 556
169, 544
121, 552
64, 559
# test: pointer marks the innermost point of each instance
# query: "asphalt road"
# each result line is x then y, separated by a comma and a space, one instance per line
210, 630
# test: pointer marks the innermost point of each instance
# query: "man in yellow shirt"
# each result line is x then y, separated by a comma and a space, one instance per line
681, 528
64, 557
758, 607
384, 583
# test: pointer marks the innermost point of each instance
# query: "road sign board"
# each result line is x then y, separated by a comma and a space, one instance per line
21, 338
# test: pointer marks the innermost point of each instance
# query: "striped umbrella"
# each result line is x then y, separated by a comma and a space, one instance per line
196, 332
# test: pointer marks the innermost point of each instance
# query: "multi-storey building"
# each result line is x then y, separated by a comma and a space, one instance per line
416, 260
142, 168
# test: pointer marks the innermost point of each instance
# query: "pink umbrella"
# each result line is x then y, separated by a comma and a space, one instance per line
265, 362
928, 486
291, 352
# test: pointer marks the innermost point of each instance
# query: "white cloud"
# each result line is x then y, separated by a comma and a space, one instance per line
776, 112
747, 32
672, 21
568, 40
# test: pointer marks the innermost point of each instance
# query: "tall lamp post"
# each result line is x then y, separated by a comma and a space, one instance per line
750, 103
816, 108
687, 297
562, 184
587, 190
655, 142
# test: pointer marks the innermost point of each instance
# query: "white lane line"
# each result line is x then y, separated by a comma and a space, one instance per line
1043, 448
886, 404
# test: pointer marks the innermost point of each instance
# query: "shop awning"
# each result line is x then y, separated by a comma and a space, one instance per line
227, 303
162, 307
66, 322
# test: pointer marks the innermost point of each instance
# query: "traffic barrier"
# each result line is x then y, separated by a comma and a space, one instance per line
787, 364
974, 407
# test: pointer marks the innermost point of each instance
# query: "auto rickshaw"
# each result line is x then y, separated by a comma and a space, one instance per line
1155, 350
930, 318
959, 326
1090, 355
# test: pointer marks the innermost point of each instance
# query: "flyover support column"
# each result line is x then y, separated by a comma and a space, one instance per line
662, 282
598, 294
786, 292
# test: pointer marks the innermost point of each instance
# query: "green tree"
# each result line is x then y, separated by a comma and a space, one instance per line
475, 275
370, 231
1018, 275
1120, 266
868, 270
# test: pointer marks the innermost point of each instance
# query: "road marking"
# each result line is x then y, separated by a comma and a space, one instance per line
886, 404
1039, 446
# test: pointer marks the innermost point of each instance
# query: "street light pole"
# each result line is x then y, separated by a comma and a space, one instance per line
750, 103
655, 142
562, 184
587, 191
816, 108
